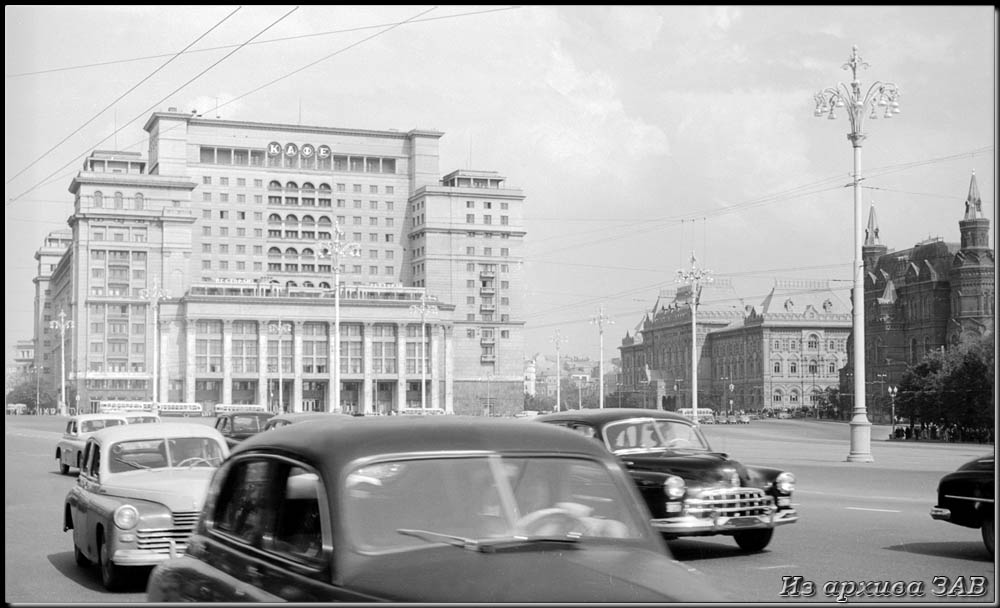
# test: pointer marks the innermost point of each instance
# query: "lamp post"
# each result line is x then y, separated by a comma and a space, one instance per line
694, 277
879, 95
335, 249
881, 380
62, 325
557, 340
600, 320
725, 395
154, 295
280, 330
423, 310
892, 399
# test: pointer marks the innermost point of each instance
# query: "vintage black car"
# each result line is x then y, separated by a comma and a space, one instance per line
965, 498
690, 489
238, 425
424, 509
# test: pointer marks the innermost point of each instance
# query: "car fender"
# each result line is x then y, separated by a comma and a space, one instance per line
762, 477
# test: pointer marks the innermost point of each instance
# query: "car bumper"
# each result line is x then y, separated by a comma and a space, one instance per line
721, 524
941, 513
146, 557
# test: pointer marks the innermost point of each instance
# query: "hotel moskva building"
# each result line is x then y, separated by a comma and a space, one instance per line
205, 271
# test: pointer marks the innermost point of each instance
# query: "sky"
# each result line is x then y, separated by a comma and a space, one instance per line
638, 134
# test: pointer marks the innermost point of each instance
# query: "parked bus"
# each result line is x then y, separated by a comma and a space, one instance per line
699, 416
223, 408
179, 409
121, 407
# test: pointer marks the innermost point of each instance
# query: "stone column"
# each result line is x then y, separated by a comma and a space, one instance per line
367, 401
449, 368
227, 361
400, 366
262, 386
296, 367
189, 359
435, 367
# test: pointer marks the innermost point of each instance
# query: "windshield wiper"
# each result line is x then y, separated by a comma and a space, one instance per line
134, 465
492, 545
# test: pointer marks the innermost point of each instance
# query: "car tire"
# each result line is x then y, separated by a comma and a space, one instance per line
81, 559
754, 540
989, 535
110, 573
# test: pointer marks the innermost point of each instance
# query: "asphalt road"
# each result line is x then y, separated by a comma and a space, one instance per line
860, 522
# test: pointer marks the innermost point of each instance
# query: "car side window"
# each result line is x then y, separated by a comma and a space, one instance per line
221, 424
274, 505
95, 460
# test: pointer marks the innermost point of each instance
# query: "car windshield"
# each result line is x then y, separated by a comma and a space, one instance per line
475, 501
158, 453
246, 424
89, 426
642, 434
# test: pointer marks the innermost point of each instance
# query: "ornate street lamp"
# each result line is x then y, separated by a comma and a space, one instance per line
892, 398
62, 325
557, 340
694, 277
423, 310
335, 249
280, 330
880, 96
154, 295
600, 320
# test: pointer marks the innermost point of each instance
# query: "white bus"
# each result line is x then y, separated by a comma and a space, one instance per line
121, 407
702, 413
222, 408
179, 409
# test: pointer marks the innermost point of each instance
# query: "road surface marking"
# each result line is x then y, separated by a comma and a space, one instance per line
879, 510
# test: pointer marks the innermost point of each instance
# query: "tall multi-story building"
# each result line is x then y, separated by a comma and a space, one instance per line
208, 269
924, 298
783, 353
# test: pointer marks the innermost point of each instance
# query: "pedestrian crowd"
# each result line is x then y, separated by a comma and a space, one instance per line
952, 433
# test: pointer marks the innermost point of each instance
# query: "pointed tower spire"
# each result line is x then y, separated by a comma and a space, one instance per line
973, 204
871, 232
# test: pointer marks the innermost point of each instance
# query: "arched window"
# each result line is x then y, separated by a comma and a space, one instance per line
927, 345
291, 252
274, 252
307, 252
291, 219
793, 367
324, 188
291, 186
777, 367
274, 185
119, 200
274, 218
308, 186
290, 284
325, 221
324, 285
793, 396
307, 220
307, 284
813, 341
140, 202
777, 396
913, 350
813, 367
832, 368
98, 199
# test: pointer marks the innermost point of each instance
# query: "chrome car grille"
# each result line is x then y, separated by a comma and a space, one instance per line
730, 502
159, 540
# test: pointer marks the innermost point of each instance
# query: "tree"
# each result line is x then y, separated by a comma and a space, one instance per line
955, 386
25, 392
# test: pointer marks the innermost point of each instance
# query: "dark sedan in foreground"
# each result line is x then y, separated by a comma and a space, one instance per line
690, 489
237, 426
424, 509
965, 498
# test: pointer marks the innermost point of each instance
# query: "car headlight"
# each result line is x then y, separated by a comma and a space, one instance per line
673, 486
126, 517
785, 483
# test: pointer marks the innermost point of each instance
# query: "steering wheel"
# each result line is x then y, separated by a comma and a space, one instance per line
552, 521
195, 460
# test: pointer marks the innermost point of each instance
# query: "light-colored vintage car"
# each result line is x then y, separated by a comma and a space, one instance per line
69, 451
139, 493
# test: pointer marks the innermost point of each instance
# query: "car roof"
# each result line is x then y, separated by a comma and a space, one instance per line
83, 417
360, 437
300, 416
168, 430
606, 415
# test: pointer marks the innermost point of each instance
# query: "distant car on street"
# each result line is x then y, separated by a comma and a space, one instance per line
238, 425
743, 419
690, 489
69, 450
140, 489
965, 498
429, 509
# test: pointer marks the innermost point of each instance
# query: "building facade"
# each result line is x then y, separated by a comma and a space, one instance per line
924, 298
782, 353
206, 272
